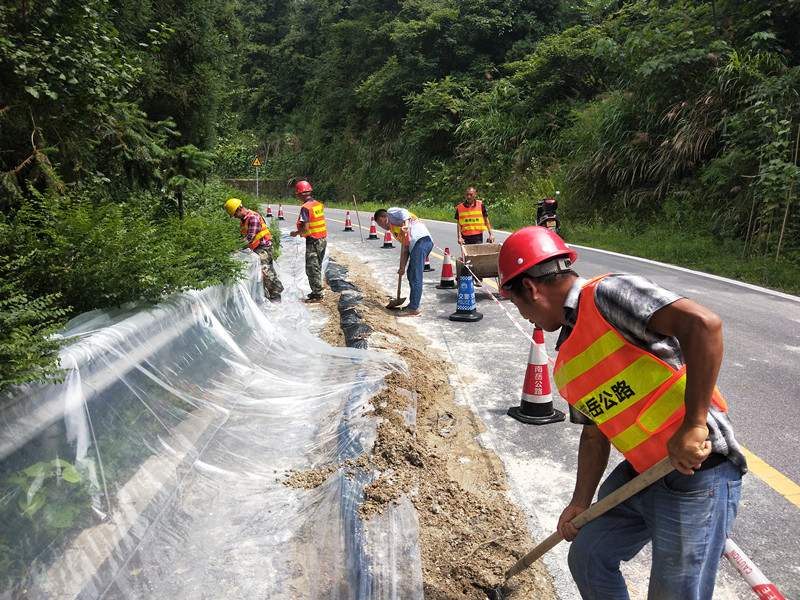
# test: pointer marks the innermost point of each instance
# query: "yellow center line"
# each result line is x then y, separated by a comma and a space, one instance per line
773, 478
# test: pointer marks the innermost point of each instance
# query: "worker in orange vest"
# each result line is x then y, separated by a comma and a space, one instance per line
258, 238
638, 365
472, 219
311, 225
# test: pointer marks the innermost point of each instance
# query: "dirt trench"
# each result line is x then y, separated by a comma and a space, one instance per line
470, 532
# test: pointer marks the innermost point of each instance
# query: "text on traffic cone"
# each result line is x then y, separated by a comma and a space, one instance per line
536, 405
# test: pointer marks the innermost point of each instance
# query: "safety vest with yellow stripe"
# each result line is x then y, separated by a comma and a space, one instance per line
262, 233
397, 230
635, 398
316, 222
471, 218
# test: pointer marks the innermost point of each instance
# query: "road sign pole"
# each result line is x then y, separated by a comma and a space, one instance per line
256, 164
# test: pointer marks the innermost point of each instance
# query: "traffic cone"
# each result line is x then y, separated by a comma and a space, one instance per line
373, 232
280, 212
348, 225
428, 266
536, 407
269, 211
447, 281
387, 240
466, 307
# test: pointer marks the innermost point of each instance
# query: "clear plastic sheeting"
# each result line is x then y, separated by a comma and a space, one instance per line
157, 468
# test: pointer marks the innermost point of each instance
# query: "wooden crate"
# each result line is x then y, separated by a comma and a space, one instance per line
481, 259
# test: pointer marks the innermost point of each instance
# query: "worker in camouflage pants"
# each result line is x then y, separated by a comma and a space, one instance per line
258, 238
311, 226
272, 283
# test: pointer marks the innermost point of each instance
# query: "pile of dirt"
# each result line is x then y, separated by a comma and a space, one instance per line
470, 533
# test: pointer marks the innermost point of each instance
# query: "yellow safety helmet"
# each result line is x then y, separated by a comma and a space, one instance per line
231, 205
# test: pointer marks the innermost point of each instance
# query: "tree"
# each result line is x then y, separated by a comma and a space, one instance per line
192, 51
63, 75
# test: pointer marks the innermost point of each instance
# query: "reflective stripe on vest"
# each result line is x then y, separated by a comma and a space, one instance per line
262, 233
397, 230
316, 223
635, 398
471, 219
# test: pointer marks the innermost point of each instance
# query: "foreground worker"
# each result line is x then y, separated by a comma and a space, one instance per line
472, 219
638, 365
415, 246
311, 225
256, 233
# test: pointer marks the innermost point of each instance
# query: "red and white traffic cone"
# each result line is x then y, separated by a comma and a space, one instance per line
751, 573
280, 212
448, 281
536, 407
269, 211
348, 224
428, 266
387, 240
373, 231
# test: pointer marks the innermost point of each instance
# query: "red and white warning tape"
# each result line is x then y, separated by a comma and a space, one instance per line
508, 314
751, 573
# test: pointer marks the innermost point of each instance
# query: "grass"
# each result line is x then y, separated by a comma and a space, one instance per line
692, 251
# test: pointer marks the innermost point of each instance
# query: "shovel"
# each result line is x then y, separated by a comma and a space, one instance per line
635, 485
397, 302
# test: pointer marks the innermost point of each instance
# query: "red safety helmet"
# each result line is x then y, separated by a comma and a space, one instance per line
303, 186
528, 247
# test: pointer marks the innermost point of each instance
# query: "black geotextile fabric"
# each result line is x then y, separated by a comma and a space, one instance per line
355, 331
337, 278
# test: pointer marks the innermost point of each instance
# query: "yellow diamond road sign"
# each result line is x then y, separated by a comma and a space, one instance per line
256, 162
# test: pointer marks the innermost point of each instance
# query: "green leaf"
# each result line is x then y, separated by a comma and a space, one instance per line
31, 507
70, 474
40, 469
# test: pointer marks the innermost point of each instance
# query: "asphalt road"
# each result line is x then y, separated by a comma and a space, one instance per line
759, 380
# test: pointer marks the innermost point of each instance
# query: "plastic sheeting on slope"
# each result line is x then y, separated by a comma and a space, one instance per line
156, 469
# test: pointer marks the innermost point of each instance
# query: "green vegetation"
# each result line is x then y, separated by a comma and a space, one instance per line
681, 116
671, 128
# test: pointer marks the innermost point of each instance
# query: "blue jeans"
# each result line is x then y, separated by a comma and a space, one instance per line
686, 517
414, 269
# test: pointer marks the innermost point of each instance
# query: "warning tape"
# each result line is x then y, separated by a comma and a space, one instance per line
516, 323
751, 573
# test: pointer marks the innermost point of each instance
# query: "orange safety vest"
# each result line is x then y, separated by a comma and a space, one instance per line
471, 218
263, 233
635, 398
316, 223
397, 230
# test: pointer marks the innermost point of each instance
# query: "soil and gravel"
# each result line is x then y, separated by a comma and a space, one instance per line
470, 532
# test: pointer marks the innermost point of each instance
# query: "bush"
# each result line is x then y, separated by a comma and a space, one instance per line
68, 254
27, 350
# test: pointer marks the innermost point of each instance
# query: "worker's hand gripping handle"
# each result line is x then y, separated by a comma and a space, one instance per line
635, 485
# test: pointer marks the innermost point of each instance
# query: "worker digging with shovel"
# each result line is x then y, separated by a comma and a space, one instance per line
415, 246
638, 365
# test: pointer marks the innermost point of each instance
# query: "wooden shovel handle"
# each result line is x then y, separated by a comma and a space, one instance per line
399, 285
635, 485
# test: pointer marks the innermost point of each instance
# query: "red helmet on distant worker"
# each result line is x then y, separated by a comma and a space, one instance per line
528, 247
303, 186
